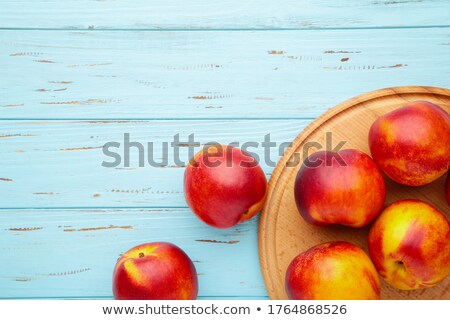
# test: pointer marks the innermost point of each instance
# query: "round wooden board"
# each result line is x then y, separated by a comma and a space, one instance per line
283, 233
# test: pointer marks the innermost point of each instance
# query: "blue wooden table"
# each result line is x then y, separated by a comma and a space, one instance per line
76, 74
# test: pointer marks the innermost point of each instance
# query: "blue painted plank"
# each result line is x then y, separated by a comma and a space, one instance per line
72, 253
201, 14
154, 75
59, 163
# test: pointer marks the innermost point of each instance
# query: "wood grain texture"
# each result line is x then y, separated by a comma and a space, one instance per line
59, 163
283, 233
72, 253
231, 14
189, 75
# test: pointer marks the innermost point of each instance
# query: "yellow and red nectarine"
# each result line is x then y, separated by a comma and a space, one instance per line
332, 271
409, 245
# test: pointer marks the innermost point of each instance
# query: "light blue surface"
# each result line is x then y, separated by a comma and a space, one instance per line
149, 68
209, 74
219, 14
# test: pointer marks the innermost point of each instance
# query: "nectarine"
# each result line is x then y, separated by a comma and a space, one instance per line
155, 271
224, 186
332, 271
412, 144
409, 245
339, 188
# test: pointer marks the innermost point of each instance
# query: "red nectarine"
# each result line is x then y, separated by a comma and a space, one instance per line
155, 271
412, 144
224, 186
339, 188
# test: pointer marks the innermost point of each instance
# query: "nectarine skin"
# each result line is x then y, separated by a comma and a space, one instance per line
332, 271
155, 271
412, 144
350, 193
224, 186
409, 245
